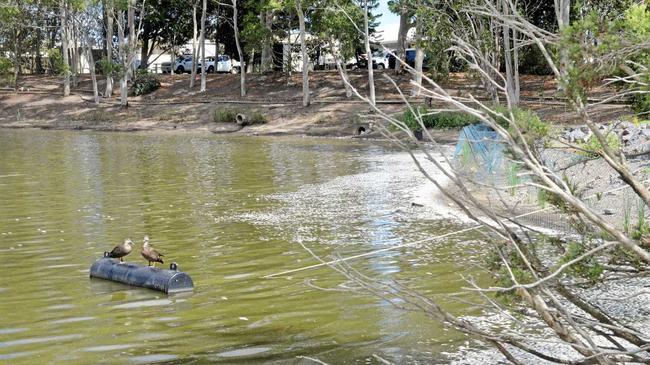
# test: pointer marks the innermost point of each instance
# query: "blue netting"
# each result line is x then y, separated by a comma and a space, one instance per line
479, 149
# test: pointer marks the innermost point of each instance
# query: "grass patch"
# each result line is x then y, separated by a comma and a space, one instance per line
442, 120
258, 118
224, 115
229, 115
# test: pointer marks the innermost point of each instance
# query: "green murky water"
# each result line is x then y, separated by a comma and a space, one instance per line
228, 210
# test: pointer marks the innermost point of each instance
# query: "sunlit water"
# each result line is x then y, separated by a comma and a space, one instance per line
229, 211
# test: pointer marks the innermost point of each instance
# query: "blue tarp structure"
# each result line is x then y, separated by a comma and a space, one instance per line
480, 149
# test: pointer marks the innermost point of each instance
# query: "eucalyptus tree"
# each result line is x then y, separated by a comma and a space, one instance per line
204, 11
194, 49
65, 37
406, 12
87, 19
128, 33
301, 7
108, 66
369, 63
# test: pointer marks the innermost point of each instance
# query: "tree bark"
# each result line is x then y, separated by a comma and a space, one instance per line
305, 58
194, 50
563, 16
371, 77
401, 37
419, 58
16, 58
511, 89
37, 46
64, 45
91, 64
74, 52
266, 61
242, 63
123, 59
108, 5
202, 42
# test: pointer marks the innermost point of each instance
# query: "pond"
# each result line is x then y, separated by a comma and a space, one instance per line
229, 211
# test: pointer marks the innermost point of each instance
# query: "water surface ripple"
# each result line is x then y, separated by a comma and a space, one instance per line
228, 210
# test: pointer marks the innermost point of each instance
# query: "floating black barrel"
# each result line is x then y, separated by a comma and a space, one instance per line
168, 281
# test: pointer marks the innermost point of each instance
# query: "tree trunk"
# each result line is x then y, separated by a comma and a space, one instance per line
64, 45
123, 59
511, 90
194, 50
242, 63
266, 61
250, 68
109, 48
303, 52
562, 14
401, 37
16, 58
74, 54
37, 47
91, 64
371, 77
202, 42
144, 50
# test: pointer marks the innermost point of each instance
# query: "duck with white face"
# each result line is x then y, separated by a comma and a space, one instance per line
122, 250
150, 254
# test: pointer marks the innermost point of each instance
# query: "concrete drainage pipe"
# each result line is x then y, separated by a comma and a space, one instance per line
242, 119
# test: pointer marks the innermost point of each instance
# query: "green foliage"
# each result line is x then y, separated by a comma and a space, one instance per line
56, 61
442, 120
588, 268
106, 67
593, 148
599, 46
501, 274
527, 121
258, 118
224, 115
532, 62
144, 83
6, 72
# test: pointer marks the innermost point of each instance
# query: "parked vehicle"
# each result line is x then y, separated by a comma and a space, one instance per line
410, 58
209, 65
227, 64
380, 59
184, 64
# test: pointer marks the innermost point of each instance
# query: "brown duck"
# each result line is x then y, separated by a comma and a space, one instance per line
122, 250
150, 254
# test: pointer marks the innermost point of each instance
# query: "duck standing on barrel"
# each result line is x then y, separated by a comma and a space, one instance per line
150, 254
122, 250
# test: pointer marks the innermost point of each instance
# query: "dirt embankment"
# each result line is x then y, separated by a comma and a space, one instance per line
39, 104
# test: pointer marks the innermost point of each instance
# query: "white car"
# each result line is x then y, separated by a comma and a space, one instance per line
380, 60
223, 64
227, 64
184, 64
